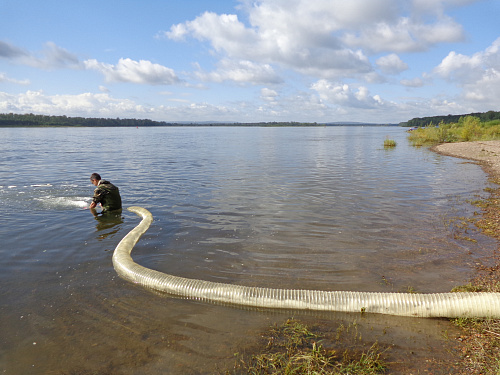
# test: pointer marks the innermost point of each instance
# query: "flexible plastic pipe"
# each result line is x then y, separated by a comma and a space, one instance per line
470, 305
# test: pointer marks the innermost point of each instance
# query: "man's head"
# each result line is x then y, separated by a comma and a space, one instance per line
95, 178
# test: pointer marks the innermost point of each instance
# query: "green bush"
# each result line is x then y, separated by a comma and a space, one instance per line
471, 129
492, 132
468, 128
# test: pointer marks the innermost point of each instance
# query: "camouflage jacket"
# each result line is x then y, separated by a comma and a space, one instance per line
108, 196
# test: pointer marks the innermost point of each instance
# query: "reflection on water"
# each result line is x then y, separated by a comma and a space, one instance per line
108, 223
317, 208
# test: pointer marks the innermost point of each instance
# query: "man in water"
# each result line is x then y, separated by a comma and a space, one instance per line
106, 194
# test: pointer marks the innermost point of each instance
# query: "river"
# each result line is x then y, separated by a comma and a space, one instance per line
311, 208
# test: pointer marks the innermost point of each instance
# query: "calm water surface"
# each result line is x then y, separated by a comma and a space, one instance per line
316, 208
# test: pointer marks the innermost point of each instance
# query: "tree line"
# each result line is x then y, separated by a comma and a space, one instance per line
449, 119
12, 119
30, 119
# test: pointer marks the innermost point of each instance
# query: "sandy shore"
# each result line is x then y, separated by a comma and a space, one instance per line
480, 349
487, 153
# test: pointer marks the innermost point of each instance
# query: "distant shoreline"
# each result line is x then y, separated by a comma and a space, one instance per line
256, 125
8, 120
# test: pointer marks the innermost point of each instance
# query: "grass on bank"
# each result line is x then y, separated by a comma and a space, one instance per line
468, 128
294, 348
481, 337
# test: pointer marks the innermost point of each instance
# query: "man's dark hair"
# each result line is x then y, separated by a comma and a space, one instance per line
95, 176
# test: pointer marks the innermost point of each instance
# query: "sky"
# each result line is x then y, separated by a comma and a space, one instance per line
375, 61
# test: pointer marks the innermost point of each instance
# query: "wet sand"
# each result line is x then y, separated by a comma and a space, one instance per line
487, 153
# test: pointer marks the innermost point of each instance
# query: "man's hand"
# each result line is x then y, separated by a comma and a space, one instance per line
92, 205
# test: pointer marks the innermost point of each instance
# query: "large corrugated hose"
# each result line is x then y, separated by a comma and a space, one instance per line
451, 305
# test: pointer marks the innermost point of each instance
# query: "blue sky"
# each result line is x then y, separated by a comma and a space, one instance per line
382, 61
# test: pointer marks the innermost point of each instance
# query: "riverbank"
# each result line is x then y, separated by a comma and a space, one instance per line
480, 340
485, 152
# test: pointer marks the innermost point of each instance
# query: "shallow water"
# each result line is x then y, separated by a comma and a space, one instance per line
316, 208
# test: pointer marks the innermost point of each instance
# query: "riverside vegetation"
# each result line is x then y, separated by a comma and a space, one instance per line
468, 128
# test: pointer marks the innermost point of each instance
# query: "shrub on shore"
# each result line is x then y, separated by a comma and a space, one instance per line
468, 128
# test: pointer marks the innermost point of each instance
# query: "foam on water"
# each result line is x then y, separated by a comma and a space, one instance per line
43, 196
52, 202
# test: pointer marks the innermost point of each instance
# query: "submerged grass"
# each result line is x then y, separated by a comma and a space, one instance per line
388, 143
294, 348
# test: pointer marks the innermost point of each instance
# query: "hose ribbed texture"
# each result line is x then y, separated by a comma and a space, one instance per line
470, 305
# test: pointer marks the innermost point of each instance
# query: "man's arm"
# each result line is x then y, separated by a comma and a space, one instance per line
97, 198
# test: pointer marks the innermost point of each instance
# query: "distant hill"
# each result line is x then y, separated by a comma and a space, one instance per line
424, 121
350, 123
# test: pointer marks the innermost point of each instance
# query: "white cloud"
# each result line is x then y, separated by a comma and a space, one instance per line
405, 35
242, 71
460, 67
465, 68
320, 17
9, 51
437, 7
5, 78
177, 100
87, 104
277, 36
141, 72
485, 91
51, 57
269, 95
444, 30
345, 95
225, 32
104, 105
391, 64
57, 57
478, 75
325, 38
330, 101
415, 82
311, 59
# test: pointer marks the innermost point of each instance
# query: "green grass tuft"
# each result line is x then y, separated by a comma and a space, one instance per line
389, 143
294, 349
